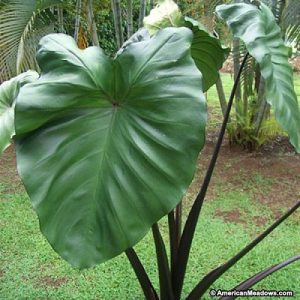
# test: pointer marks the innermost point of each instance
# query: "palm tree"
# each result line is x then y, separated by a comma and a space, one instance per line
142, 12
129, 19
116, 8
22, 24
290, 22
77, 20
91, 23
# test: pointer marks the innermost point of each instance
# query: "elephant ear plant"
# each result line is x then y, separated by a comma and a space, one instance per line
113, 143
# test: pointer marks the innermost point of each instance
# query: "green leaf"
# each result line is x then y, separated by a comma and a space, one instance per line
9, 91
262, 37
207, 52
165, 14
112, 144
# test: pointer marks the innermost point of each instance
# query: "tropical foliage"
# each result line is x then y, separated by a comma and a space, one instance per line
22, 24
144, 100
113, 143
9, 91
254, 122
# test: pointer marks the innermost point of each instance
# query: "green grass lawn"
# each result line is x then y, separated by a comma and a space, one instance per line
30, 269
227, 80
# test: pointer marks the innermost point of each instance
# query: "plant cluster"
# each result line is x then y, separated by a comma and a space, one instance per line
108, 146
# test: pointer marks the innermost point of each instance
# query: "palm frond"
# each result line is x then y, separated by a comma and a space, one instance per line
277, 7
291, 22
269, 129
19, 22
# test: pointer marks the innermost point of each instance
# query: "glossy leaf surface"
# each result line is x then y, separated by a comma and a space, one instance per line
207, 52
106, 147
262, 37
9, 90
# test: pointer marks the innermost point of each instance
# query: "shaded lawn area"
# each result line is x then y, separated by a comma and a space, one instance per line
248, 192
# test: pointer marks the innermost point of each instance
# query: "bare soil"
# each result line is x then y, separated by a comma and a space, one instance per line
296, 64
228, 65
234, 216
276, 163
53, 282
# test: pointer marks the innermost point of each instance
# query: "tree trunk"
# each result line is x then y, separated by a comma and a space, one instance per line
116, 8
142, 12
257, 76
60, 17
77, 20
151, 4
261, 99
236, 65
129, 19
91, 23
221, 95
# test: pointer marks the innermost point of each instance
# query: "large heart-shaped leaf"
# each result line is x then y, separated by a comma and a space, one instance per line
258, 29
9, 90
106, 147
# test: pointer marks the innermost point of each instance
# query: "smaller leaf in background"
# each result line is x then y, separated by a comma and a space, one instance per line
9, 91
262, 37
207, 52
165, 14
